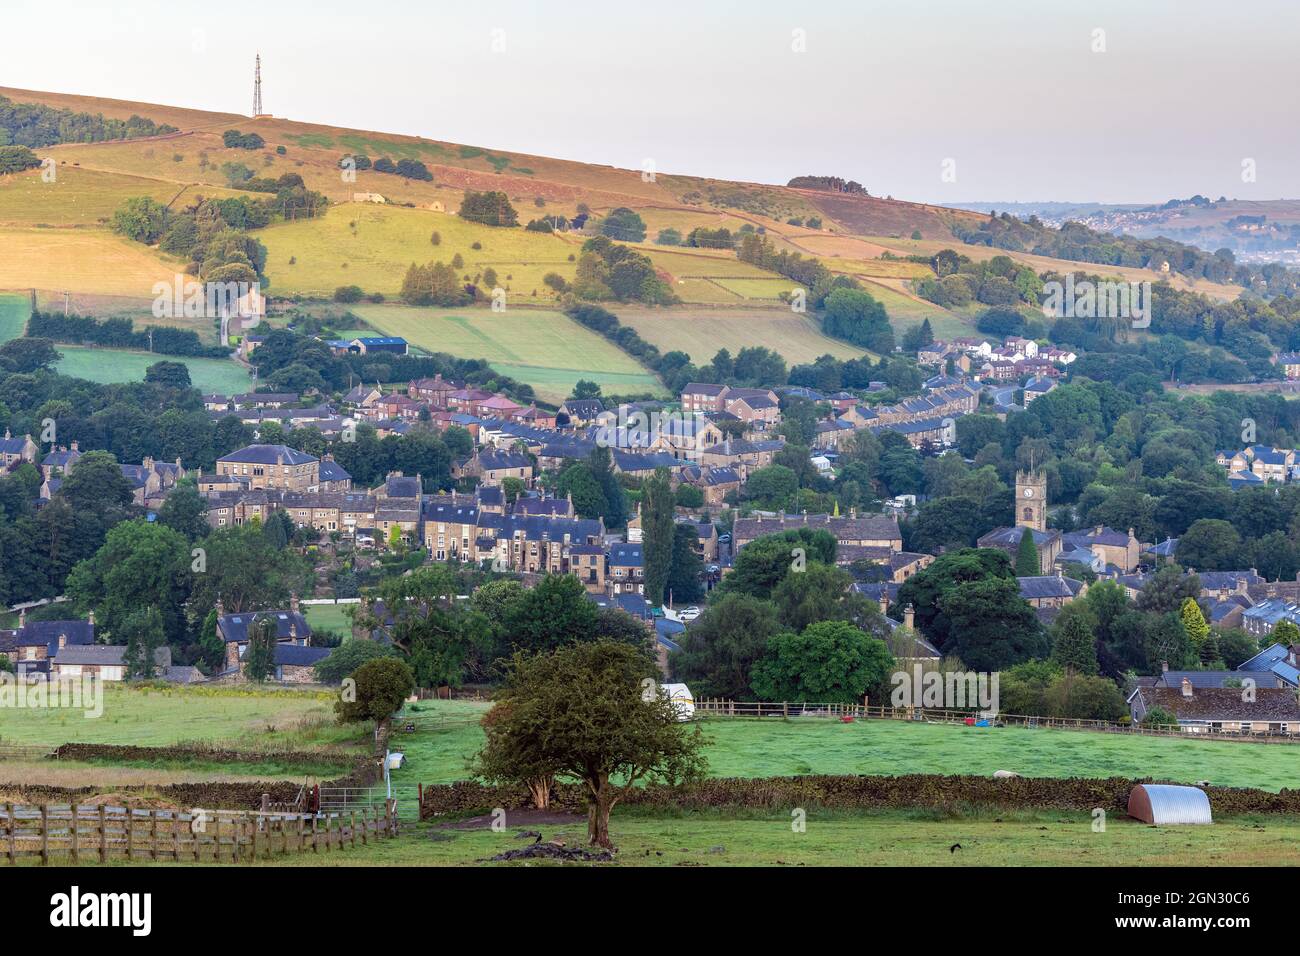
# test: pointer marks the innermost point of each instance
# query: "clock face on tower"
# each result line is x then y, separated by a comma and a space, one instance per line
1029, 492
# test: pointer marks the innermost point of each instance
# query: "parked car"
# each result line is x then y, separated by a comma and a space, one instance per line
688, 613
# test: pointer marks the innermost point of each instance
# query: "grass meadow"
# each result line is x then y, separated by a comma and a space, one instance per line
14, 311
119, 365
841, 838
700, 332
547, 350
77, 197
373, 245
80, 260
447, 733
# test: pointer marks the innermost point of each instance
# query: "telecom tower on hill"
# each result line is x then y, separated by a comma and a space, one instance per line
257, 88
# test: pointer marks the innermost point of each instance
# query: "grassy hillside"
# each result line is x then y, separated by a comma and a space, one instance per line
119, 365
77, 197
701, 332
80, 260
547, 350
372, 246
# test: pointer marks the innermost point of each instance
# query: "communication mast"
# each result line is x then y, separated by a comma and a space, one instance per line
257, 87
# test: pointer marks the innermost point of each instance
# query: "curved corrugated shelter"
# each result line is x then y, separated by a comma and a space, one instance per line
1163, 804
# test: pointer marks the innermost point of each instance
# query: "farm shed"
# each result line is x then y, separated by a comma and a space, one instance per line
1164, 804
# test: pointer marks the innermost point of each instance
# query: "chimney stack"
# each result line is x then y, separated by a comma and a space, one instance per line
293, 602
1164, 667
909, 615
1187, 687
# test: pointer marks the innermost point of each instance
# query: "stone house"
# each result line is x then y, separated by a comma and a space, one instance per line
273, 466
16, 451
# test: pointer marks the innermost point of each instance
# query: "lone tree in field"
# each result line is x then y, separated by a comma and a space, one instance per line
592, 713
377, 690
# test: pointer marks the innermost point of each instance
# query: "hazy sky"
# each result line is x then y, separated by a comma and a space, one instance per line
1010, 90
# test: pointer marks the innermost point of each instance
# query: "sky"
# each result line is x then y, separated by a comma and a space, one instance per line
928, 100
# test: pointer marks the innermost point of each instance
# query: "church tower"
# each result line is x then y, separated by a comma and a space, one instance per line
1031, 500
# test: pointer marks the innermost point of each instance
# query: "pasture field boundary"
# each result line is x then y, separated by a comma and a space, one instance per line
100, 833
711, 707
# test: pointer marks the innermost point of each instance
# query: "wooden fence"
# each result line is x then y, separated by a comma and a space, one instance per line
99, 833
707, 707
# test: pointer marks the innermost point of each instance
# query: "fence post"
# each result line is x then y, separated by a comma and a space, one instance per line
9, 815
103, 835
153, 834
76, 856
45, 833
176, 836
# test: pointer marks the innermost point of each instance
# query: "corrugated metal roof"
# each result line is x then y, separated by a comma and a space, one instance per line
1165, 804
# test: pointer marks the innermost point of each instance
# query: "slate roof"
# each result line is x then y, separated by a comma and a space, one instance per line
861, 528
1042, 587
106, 655
234, 627
1274, 660
12, 446
298, 655
35, 633
269, 455
1164, 549
1217, 580
442, 508
625, 555
493, 460
633, 603
1103, 535
333, 471
537, 528
402, 487
1273, 610
60, 458
1010, 537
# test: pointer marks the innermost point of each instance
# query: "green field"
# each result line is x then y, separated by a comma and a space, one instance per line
869, 838
14, 311
546, 350
701, 332
151, 717
448, 732
373, 245
779, 748
118, 365
329, 617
